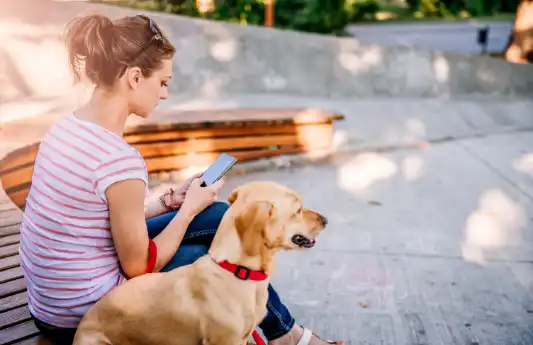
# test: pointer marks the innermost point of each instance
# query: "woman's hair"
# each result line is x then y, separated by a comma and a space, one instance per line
103, 49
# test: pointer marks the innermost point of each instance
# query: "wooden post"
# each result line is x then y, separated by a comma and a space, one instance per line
269, 13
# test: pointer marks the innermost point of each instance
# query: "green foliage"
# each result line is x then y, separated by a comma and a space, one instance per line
318, 16
361, 10
448, 8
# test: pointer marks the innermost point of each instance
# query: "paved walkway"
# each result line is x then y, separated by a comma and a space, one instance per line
459, 37
430, 205
426, 245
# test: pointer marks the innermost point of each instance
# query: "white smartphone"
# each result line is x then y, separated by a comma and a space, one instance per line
218, 169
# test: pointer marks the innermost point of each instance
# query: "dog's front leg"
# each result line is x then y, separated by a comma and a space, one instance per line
224, 341
225, 334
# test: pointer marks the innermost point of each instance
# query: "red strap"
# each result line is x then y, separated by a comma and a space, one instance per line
257, 338
242, 272
152, 256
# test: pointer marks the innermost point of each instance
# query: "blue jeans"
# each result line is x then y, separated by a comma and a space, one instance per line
195, 244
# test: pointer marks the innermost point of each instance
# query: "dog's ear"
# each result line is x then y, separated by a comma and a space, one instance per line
251, 223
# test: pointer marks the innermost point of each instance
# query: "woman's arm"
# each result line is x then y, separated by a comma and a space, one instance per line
128, 227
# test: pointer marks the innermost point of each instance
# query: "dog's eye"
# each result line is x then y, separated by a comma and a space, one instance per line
300, 210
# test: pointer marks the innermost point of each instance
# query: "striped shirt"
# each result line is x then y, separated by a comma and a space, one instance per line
66, 249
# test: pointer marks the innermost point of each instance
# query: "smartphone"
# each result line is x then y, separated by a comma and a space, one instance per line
218, 169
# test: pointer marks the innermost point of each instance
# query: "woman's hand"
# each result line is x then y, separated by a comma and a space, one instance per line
198, 198
176, 196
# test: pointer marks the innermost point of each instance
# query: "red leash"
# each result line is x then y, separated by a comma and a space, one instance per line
258, 339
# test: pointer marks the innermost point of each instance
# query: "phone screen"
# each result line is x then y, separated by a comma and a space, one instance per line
218, 169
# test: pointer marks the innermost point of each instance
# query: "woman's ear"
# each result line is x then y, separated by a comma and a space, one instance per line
134, 75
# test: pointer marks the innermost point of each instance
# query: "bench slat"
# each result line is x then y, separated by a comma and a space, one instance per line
12, 287
31, 341
17, 179
20, 157
204, 159
9, 230
10, 239
13, 301
10, 274
19, 197
210, 145
208, 133
172, 119
19, 332
9, 217
14, 316
9, 262
10, 250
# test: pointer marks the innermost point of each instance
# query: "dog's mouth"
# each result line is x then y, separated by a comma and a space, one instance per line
303, 242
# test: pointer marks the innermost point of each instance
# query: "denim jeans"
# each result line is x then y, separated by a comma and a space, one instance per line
195, 244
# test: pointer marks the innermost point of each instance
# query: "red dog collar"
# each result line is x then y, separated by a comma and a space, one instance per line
242, 272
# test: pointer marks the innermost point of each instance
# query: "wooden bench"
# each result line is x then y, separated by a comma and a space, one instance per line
173, 140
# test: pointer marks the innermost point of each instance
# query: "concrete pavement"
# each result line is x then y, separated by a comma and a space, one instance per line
429, 245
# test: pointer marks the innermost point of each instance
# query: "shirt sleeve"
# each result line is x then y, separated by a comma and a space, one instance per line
119, 166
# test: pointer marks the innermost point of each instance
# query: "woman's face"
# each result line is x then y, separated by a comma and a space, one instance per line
146, 92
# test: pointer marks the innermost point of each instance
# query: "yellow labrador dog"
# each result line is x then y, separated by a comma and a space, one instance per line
211, 301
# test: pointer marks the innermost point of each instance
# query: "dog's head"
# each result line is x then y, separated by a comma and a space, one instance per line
269, 215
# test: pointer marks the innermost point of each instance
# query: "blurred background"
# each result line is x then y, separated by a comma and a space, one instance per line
501, 28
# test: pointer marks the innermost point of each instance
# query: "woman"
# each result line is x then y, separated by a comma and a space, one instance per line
86, 226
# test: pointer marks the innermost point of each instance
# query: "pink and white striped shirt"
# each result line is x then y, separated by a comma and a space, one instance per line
66, 249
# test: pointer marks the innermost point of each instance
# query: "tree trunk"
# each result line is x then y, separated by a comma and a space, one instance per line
520, 46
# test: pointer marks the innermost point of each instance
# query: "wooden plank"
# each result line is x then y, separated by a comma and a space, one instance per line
10, 239
234, 143
19, 332
15, 178
172, 119
204, 159
5, 202
9, 230
13, 301
20, 157
14, 316
19, 197
32, 341
9, 217
9, 262
208, 133
10, 274
9, 250
12, 287
211, 144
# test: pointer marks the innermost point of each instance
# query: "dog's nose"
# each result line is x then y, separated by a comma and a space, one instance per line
324, 220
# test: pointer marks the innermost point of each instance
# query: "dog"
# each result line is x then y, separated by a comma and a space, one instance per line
205, 303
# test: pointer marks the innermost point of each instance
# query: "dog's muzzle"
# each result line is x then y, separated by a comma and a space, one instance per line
302, 241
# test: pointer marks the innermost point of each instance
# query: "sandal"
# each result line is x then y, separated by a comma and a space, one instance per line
306, 338
307, 335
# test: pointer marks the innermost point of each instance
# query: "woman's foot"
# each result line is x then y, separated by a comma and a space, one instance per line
295, 335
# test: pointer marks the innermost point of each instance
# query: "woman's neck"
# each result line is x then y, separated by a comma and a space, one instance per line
106, 110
